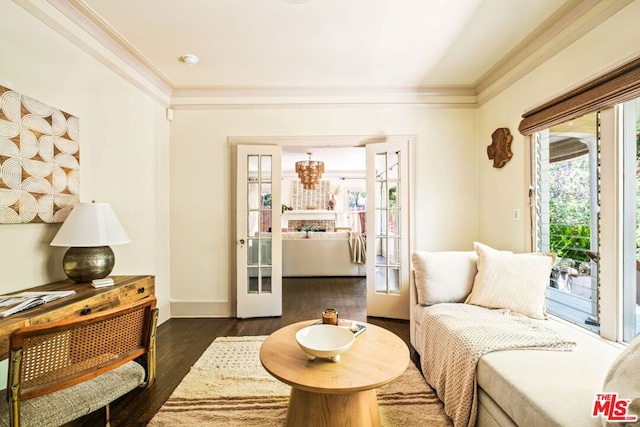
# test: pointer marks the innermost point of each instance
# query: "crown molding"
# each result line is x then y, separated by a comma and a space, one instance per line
67, 21
444, 91
83, 16
310, 104
566, 26
288, 97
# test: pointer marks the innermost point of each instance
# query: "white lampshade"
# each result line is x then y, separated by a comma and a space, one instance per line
91, 225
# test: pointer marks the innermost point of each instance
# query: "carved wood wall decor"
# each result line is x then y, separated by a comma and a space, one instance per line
39, 160
500, 149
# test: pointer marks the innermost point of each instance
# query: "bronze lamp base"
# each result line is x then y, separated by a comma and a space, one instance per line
86, 264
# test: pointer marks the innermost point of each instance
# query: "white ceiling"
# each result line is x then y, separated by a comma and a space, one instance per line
321, 44
268, 49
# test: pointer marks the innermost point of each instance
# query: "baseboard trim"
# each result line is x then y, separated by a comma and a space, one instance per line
187, 309
164, 313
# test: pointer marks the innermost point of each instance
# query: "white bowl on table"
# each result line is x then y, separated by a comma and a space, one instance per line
326, 341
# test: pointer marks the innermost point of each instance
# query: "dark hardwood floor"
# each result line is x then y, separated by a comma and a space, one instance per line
180, 342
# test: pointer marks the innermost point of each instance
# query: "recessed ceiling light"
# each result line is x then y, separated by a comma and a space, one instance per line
190, 59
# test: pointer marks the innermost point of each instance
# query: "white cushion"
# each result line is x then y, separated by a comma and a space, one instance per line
548, 388
513, 281
443, 276
623, 378
294, 235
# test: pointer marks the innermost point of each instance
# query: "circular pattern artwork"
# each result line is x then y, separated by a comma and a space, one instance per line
39, 160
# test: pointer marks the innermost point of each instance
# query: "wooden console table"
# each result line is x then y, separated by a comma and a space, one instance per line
86, 300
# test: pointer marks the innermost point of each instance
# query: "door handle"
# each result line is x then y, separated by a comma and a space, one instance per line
241, 243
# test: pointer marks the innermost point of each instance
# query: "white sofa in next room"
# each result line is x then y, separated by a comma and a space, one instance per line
317, 254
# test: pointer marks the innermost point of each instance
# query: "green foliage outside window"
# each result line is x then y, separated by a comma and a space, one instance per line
569, 206
570, 241
569, 192
393, 196
569, 209
357, 198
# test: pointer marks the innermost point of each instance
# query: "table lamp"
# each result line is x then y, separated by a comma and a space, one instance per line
88, 231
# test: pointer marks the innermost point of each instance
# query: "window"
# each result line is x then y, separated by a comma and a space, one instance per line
567, 205
568, 189
601, 222
357, 201
631, 218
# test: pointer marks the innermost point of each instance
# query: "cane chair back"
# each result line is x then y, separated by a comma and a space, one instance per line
53, 356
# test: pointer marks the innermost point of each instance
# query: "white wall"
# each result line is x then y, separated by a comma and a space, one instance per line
123, 153
503, 190
202, 248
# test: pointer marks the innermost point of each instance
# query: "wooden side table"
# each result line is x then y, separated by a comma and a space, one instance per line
326, 393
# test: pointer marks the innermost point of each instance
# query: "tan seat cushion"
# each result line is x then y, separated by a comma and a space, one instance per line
63, 406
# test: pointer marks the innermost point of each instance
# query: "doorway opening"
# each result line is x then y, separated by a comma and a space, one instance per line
387, 229
324, 225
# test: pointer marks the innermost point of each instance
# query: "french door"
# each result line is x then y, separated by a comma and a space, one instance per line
388, 243
258, 233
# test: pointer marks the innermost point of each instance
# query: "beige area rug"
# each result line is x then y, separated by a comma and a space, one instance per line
229, 387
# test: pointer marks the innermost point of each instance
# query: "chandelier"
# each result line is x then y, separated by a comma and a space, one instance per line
310, 172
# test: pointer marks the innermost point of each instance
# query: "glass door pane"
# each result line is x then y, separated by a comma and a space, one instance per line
259, 219
387, 214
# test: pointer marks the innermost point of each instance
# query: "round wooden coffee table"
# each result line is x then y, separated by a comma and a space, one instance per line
326, 393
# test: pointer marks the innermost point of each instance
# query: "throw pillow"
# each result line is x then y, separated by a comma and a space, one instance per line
513, 281
623, 378
443, 276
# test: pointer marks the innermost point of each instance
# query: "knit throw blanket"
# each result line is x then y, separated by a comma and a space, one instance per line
455, 336
358, 248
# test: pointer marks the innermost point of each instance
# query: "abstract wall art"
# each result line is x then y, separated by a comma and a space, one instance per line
39, 160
